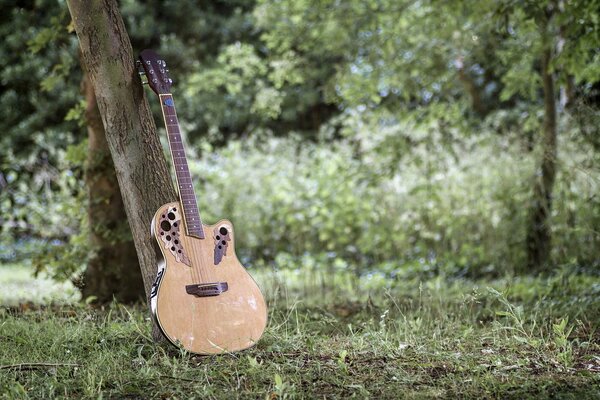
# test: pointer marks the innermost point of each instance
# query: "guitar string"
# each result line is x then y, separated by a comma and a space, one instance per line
202, 274
196, 274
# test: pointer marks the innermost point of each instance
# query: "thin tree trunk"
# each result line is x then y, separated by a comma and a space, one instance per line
139, 161
474, 93
113, 270
539, 235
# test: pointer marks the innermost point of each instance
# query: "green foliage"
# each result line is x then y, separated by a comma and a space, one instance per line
357, 200
387, 202
562, 332
39, 87
387, 136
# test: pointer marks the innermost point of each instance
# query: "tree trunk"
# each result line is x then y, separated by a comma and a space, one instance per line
539, 235
113, 269
477, 104
136, 151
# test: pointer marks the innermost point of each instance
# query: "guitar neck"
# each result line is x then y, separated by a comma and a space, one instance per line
187, 196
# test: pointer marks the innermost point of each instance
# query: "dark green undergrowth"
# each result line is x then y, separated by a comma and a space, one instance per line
329, 336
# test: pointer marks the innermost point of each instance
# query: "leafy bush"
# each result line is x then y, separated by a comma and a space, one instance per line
444, 205
394, 196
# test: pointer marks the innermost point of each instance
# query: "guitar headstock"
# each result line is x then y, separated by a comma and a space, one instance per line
156, 71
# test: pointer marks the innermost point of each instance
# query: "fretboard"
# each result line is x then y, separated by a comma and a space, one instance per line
187, 195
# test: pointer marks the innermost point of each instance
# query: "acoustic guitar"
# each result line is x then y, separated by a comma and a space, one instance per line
203, 299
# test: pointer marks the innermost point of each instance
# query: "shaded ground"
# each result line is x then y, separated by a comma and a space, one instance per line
520, 338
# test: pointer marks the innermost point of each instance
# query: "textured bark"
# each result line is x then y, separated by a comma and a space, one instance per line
539, 235
139, 161
113, 270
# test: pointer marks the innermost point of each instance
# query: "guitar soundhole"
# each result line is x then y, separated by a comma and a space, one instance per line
221, 236
169, 233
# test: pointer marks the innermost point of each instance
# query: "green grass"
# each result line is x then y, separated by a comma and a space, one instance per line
328, 337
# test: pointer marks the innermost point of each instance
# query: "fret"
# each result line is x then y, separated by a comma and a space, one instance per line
187, 195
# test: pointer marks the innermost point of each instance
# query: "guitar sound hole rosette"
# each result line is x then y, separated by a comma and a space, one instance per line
169, 235
222, 237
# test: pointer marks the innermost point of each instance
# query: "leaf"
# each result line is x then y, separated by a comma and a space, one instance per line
252, 361
278, 381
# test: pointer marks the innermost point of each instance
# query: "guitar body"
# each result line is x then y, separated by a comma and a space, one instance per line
194, 317
203, 299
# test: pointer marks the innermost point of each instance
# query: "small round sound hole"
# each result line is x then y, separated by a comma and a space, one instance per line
165, 225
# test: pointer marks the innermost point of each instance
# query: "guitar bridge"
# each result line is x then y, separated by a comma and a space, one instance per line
207, 289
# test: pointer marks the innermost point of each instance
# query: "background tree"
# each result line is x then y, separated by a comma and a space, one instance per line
44, 139
130, 131
112, 270
549, 34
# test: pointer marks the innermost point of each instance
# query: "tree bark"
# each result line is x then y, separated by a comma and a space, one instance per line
113, 270
136, 151
539, 235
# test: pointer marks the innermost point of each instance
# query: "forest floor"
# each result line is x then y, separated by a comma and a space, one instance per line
327, 337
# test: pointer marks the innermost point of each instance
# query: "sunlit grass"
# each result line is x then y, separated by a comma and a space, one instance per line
18, 285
